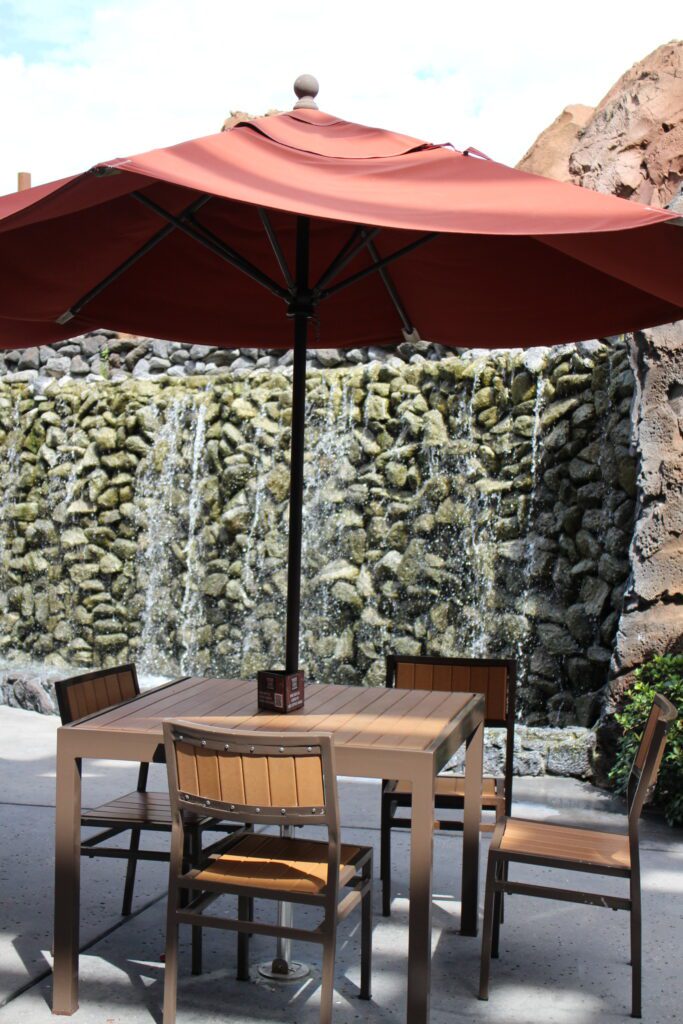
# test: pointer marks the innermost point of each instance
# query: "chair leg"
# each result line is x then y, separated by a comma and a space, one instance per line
245, 912
385, 857
366, 937
130, 872
497, 915
327, 988
195, 857
487, 930
636, 948
171, 960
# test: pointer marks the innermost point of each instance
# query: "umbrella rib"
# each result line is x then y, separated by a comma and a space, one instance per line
75, 309
358, 240
359, 275
388, 283
205, 237
277, 249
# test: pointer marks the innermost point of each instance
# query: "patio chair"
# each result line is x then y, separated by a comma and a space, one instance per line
137, 812
281, 779
547, 845
496, 679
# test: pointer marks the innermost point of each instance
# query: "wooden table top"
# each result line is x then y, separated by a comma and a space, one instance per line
376, 717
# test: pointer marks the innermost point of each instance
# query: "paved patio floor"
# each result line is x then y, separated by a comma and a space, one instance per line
559, 962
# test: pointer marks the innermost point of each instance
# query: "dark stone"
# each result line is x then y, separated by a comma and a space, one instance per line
612, 569
579, 623
594, 594
555, 639
571, 519
591, 495
587, 545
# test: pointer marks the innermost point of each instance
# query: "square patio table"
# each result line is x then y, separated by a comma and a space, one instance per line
378, 733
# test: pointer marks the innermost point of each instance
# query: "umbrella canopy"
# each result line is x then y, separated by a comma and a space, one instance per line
366, 231
498, 257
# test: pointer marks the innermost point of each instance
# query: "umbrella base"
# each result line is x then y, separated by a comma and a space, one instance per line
294, 971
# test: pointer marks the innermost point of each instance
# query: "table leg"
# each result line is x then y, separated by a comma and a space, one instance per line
469, 899
420, 914
67, 878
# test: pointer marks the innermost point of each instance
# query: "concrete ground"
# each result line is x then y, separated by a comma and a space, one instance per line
560, 962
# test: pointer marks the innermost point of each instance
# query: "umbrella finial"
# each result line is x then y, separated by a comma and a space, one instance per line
306, 88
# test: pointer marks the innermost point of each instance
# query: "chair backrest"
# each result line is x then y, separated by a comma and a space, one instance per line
254, 778
643, 777
494, 678
95, 691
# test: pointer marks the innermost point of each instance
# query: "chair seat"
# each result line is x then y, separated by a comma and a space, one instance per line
454, 786
280, 864
580, 846
144, 810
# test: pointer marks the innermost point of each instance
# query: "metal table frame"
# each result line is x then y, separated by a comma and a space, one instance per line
415, 750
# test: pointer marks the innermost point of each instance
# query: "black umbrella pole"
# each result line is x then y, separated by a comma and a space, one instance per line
302, 312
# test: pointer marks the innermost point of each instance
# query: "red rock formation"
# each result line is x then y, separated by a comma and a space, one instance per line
631, 144
551, 151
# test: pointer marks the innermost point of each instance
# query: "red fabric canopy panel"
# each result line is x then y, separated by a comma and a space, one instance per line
516, 259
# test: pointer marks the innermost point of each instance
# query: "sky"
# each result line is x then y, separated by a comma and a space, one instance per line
84, 81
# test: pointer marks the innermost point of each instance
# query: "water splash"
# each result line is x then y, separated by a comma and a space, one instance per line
191, 617
170, 555
11, 457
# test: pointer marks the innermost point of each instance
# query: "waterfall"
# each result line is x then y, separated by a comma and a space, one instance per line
11, 457
252, 581
329, 437
168, 494
191, 616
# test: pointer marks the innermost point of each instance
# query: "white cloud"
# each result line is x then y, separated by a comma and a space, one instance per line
90, 81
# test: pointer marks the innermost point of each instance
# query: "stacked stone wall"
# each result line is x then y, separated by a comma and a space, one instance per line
473, 504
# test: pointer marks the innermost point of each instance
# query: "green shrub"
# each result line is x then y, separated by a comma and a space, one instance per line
663, 674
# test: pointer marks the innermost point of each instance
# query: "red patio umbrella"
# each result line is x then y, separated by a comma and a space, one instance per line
364, 231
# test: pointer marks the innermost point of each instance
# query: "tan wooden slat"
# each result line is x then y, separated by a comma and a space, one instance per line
156, 698
442, 678
283, 788
126, 685
405, 675
329, 708
200, 703
394, 722
284, 865
102, 693
116, 687
89, 696
424, 677
541, 839
256, 781
479, 680
496, 703
207, 774
188, 780
460, 679
366, 709
309, 782
434, 721
232, 779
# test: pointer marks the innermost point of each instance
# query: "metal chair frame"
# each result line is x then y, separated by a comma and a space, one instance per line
391, 800
100, 698
642, 780
206, 741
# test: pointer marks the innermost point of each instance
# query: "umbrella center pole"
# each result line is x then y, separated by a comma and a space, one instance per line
301, 309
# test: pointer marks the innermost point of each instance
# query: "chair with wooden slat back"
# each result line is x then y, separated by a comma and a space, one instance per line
263, 779
496, 679
570, 848
140, 811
